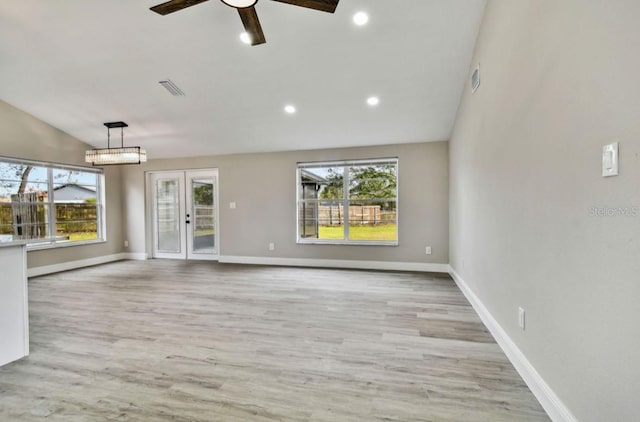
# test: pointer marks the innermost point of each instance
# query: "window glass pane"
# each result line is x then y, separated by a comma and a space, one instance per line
370, 220
76, 221
372, 181
76, 205
322, 183
72, 186
23, 195
22, 172
320, 214
19, 179
372, 205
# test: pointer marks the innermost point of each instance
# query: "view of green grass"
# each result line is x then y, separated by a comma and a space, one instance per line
81, 236
208, 232
93, 235
360, 232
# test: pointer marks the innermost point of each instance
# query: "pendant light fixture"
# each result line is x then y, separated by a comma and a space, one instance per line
113, 156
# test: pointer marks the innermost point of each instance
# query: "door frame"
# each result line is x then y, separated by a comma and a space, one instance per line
150, 222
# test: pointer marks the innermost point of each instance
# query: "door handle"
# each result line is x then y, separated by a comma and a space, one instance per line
188, 219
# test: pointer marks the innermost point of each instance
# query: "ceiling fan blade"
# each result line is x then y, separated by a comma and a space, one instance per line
322, 5
252, 25
174, 6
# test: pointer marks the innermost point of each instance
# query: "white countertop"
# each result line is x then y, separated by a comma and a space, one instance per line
6, 243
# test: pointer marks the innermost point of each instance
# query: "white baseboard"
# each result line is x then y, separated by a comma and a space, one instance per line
72, 265
551, 403
135, 256
336, 263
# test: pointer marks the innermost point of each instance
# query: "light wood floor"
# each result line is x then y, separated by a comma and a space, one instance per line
176, 341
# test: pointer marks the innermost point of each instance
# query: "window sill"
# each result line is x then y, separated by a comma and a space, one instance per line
347, 242
37, 246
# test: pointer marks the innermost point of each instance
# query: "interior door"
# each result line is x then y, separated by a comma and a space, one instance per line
185, 215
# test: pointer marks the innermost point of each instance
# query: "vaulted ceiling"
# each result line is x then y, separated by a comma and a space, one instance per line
78, 63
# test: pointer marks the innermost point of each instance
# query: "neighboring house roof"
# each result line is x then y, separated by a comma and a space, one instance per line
73, 192
308, 176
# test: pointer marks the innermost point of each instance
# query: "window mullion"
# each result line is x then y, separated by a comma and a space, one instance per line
100, 212
51, 205
345, 201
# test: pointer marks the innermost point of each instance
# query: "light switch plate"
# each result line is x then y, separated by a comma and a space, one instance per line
610, 160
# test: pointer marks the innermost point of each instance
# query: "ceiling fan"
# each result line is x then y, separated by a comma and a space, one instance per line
247, 11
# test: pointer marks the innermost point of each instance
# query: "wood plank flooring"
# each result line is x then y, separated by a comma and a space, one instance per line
164, 340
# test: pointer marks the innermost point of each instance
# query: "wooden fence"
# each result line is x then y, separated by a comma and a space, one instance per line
358, 214
205, 218
26, 217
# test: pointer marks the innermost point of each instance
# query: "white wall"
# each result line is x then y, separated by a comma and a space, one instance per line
24, 136
264, 189
559, 81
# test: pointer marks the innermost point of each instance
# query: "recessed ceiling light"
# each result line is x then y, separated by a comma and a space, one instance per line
360, 18
245, 38
373, 101
290, 109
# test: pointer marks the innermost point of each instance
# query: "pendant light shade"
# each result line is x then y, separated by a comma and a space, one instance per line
114, 156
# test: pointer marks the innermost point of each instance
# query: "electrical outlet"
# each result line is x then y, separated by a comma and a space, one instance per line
427, 250
272, 246
521, 318
126, 243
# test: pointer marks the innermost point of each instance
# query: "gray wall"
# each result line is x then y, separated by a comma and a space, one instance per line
24, 136
264, 189
559, 81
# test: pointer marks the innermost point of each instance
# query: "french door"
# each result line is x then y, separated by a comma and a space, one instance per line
185, 214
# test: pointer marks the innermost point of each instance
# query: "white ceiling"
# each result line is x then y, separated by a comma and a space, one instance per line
78, 63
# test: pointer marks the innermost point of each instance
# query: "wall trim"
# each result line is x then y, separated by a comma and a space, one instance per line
336, 263
555, 408
135, 256
72, 265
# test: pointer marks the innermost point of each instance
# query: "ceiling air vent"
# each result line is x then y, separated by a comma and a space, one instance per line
172, 88
475, 79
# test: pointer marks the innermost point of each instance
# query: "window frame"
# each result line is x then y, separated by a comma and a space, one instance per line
51, 241
346, 200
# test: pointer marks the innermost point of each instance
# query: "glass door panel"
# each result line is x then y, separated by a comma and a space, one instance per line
168, 215
202, 217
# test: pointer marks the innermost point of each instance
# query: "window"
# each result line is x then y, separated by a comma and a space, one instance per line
348, 202
50, 204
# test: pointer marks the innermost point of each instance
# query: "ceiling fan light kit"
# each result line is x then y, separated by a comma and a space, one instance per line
115, 156
240, 4
247, 11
